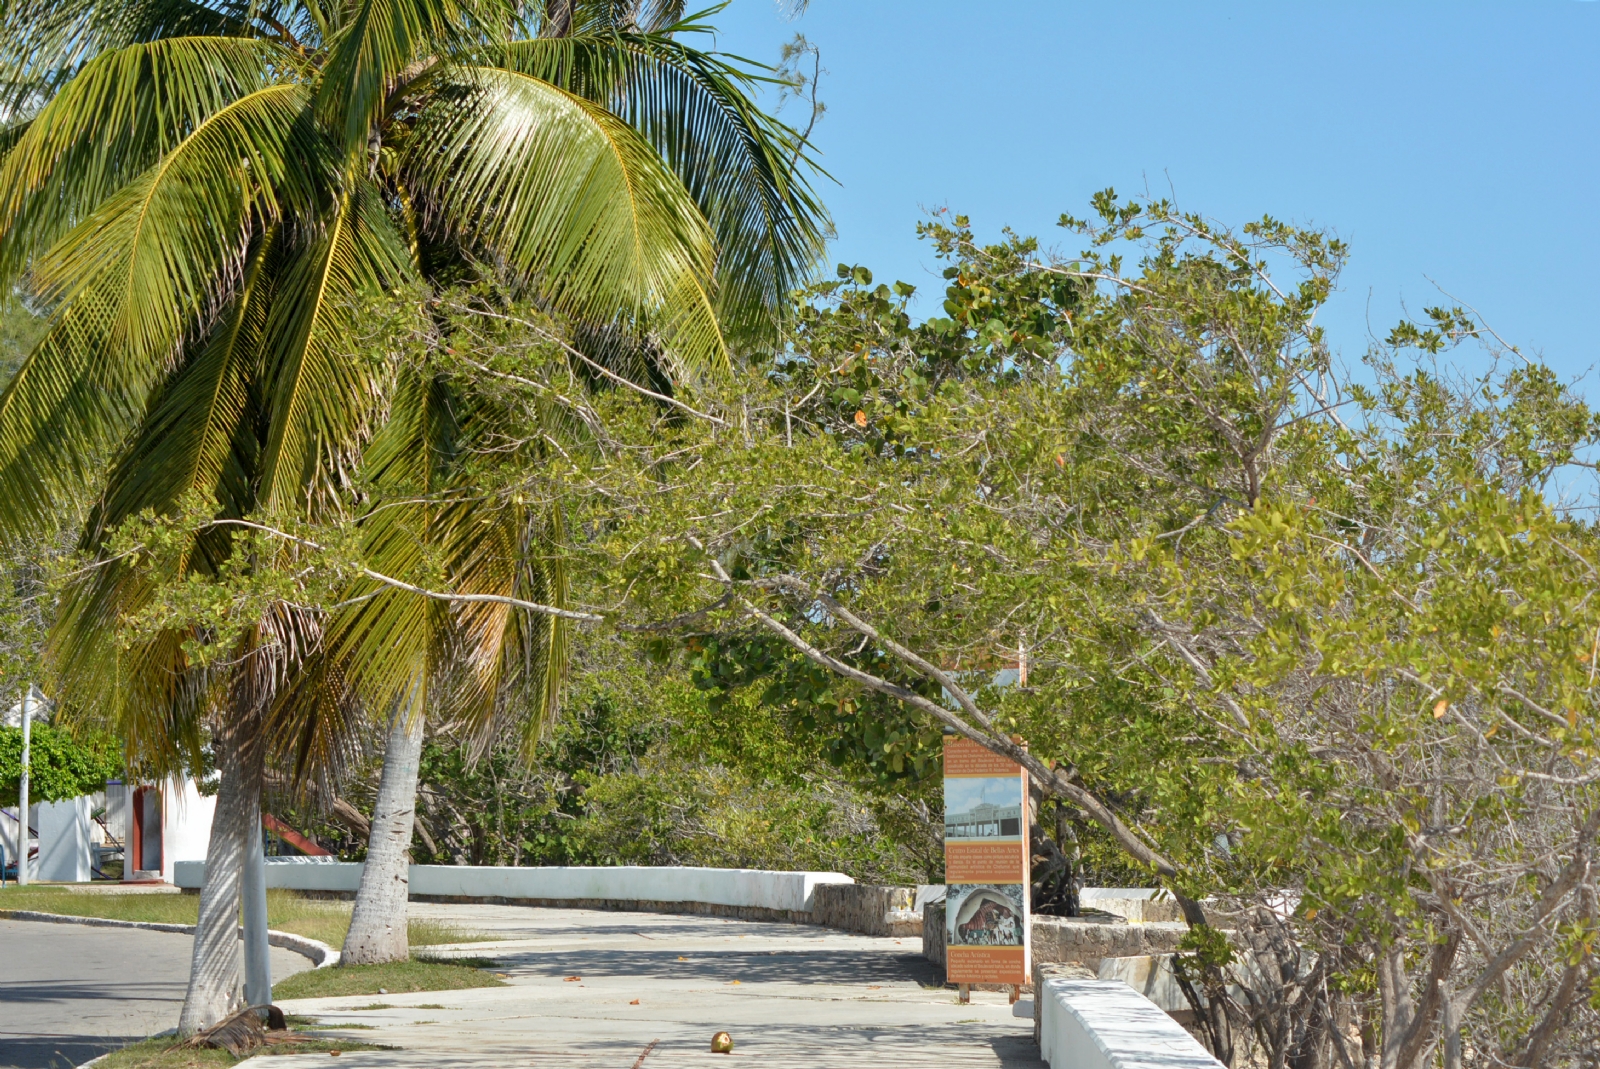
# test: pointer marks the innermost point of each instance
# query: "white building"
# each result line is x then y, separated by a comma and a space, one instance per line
152, 826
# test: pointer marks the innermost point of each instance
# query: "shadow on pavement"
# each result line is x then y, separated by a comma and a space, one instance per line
55, 1052
833, 966
90, 990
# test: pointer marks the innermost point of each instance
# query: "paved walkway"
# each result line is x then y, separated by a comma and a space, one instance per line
70, 992
792, 996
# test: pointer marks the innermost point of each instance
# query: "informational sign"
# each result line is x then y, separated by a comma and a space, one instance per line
985, 866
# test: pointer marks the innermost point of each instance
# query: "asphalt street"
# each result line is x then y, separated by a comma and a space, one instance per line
70, 992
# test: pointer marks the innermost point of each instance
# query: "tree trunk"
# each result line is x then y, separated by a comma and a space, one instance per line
378, 923
214, 967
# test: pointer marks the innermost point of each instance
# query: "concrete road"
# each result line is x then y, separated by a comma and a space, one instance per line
71, 992
592, 990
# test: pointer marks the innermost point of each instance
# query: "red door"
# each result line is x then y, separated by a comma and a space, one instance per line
144, 832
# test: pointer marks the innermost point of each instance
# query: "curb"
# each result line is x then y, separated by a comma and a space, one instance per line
320, 954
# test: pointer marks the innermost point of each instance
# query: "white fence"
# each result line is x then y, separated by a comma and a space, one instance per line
1105, 1024
785, 892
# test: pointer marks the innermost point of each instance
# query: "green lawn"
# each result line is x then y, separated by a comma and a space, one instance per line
401, 978
287, 911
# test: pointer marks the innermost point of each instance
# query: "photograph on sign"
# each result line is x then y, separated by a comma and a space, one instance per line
983, 807
986, 915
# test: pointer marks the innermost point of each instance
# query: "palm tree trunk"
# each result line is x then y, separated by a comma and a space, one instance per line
214, 968
378, 922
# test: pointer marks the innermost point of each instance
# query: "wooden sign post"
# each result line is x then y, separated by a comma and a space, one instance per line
986, 867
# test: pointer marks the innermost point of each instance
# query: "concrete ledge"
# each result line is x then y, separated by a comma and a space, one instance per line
321, 954
1105, 1024
768, 895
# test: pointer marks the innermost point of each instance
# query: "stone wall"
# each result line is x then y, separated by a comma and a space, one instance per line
871, 909
1076, 940
1085, 940
1139, 905
933, 934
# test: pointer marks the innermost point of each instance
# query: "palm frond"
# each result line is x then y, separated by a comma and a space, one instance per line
515, 661
385, 42
148, 690
428, 519
60, 417
149, 269
198, 433
314, 727
196, 436
123, 113
567, 198
747, 172
320, 401
382, 638
167, 249
552, 19
44, 43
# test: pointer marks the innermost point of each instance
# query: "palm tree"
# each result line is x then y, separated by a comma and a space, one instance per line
404, 652
203, 192
480, 663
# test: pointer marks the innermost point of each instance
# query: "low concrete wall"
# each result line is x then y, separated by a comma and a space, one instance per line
1105, 1024
775, 895
871, 909
1052, 970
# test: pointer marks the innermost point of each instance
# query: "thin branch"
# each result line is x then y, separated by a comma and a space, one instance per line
437, 595
600, 369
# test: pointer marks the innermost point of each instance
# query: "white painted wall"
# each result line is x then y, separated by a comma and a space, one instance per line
1105, 1024
64, 844
185, 824
1151, 975
10, 833
722, 887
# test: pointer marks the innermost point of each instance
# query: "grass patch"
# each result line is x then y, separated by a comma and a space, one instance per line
168, 1052
287, 911
318, 1025
397, 978
475, 963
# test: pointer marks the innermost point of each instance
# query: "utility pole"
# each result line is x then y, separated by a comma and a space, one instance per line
253, 895
22, 786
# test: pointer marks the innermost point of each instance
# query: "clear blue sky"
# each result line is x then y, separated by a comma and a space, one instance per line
1450, 140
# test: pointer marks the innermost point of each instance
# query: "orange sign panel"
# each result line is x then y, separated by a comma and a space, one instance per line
987, 965
963, 757
968, 862
986, 866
